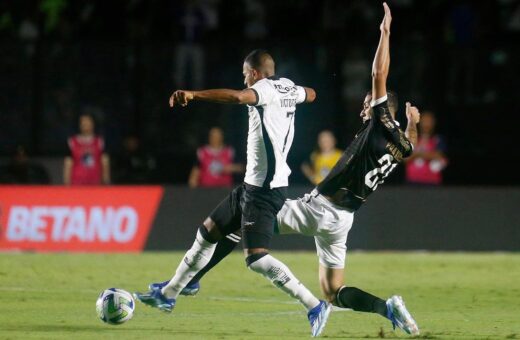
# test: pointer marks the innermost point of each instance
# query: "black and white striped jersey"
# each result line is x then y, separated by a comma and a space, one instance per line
271, 131
375, 151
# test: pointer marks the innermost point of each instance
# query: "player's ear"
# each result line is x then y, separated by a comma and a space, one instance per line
256, 74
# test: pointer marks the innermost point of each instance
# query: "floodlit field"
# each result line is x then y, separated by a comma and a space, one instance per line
452, 296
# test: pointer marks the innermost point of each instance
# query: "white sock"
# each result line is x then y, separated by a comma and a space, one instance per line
280, 275
195, 259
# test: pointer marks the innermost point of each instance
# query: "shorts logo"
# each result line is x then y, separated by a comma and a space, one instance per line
249, 224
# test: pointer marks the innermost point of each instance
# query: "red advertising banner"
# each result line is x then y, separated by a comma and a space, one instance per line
79, 219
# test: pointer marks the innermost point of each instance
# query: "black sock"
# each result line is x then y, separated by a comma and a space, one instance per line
360, 301
224, 247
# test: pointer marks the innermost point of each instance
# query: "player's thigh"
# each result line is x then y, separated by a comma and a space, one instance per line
331, 280
259, 209
226, 216
298, 216
331, 251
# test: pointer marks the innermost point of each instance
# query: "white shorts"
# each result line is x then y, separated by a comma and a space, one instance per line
314, 215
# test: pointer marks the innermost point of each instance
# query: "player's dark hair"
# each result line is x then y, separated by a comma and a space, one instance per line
260, 60
392, 99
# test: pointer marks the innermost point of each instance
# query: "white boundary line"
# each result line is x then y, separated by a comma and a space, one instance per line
214, 298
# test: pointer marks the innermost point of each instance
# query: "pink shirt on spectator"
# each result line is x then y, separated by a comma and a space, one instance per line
424, 171
86, 155
211, 164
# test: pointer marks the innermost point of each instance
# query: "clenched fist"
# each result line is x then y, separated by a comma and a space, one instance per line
412, 113
180, 97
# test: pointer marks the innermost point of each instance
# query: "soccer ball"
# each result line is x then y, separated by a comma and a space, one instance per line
115, 306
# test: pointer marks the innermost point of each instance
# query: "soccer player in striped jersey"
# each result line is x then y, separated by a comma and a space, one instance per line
327, 212
253, 206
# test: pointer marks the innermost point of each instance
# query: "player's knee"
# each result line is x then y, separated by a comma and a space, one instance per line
330, 296
252, 261
209, 223
210, 231
329, 292
206, 235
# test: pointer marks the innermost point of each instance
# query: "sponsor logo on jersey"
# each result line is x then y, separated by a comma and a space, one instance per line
285, 89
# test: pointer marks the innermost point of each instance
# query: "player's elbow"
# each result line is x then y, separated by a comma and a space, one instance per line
408, 151
379, 73
311, 95
247, 97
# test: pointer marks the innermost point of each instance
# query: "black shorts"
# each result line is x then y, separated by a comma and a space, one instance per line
251, 209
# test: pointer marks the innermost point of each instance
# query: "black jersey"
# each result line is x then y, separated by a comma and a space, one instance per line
375, 151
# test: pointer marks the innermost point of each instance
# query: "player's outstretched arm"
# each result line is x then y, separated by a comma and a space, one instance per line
223, 96
310, 94
382, 58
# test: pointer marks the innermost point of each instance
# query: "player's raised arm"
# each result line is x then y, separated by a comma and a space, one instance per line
223, 96
382, 58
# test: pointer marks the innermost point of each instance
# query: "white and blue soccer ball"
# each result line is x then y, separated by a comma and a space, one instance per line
115, 306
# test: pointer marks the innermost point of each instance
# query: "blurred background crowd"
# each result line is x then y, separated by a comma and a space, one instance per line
115, 63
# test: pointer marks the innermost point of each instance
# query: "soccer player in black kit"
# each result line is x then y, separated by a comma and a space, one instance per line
327, 212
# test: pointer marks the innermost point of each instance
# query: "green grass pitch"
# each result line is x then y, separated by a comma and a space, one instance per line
452, 296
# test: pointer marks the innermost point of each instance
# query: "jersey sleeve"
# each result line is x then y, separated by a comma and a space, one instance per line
264, 92
301, 94
395, 134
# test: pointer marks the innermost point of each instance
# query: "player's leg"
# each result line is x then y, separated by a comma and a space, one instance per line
224, 247
225, 216
290, 220
334, 289
331, 276
194, 260
224, 219
259, 210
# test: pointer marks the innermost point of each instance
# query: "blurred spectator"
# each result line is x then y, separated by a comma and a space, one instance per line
87, 163
322, 160
21, 170
28, 33
215, 165
189, 52
255, 27
134, 166
428, 160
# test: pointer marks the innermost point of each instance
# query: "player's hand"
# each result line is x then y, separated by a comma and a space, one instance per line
412, 113
181, 98
385, 24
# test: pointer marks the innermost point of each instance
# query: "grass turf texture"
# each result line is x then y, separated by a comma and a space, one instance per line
452, 296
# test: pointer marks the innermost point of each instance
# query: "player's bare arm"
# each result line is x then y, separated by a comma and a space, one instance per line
381, 62
223, 96
413, 115
310, 94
